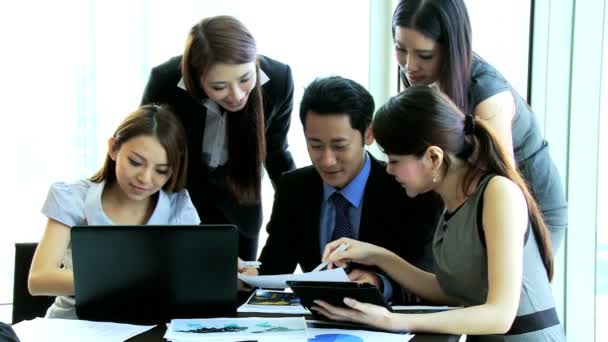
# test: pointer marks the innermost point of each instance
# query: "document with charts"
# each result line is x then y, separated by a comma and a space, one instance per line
238, 329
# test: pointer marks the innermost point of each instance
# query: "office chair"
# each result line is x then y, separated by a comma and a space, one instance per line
26, 306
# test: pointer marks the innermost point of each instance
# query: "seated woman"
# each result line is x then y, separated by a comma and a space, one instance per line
492, 249
141, 182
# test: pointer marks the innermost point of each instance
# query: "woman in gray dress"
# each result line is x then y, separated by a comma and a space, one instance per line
491, 248
433, 46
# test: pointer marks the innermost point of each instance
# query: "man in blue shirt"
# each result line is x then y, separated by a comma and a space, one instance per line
346, 192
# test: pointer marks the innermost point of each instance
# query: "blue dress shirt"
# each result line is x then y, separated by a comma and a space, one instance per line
353, 192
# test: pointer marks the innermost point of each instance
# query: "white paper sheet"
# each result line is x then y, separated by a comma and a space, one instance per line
422, 308
284, 309
278, 281
70, 330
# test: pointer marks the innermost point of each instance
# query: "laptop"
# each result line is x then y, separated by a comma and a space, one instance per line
151, 274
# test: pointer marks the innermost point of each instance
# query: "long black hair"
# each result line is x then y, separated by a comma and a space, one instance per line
447, 23
224, 39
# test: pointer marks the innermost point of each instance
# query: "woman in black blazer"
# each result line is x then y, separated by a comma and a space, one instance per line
236, 108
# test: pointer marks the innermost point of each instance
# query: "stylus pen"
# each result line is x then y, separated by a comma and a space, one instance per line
251, 264
322, 265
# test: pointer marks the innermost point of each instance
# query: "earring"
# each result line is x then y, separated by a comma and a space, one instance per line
435, 178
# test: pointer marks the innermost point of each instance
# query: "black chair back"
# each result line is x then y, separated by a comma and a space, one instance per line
26, 306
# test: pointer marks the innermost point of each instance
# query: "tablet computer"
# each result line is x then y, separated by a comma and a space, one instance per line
334, 293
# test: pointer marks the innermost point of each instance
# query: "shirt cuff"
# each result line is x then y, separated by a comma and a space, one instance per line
387, 288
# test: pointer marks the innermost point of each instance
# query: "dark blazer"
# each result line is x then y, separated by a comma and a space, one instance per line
389, 218
212, 199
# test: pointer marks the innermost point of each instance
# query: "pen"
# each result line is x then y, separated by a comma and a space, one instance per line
251, 264
322, 265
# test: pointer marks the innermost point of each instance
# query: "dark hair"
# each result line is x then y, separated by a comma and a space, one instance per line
155, 121
447, 23
339, 95
224, 39
420, 117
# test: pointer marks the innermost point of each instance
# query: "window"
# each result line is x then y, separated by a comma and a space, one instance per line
566, 90
601, 266
501, 32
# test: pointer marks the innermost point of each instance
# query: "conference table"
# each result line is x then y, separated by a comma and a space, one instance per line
157, 333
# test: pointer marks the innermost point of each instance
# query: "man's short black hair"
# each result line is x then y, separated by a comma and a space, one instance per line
338, 95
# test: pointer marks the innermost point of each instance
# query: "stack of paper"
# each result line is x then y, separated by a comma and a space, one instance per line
278, 281
238, 329
280, 302
70, 330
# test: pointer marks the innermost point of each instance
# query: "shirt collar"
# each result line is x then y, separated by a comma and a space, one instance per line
263, 77
96, 216
354, 191
93, 210
162, 211
212, 107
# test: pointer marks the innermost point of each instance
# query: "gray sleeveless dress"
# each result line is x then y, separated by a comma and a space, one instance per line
461, 269
530, 148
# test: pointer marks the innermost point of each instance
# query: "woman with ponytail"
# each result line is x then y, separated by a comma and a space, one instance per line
492, 249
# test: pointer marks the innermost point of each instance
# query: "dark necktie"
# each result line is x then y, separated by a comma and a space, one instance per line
343, 226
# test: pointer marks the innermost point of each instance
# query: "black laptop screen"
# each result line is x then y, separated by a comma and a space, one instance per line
152, 274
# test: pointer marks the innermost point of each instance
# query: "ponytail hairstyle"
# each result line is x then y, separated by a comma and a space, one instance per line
224, 39
420, 117
154, 121
447, 23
